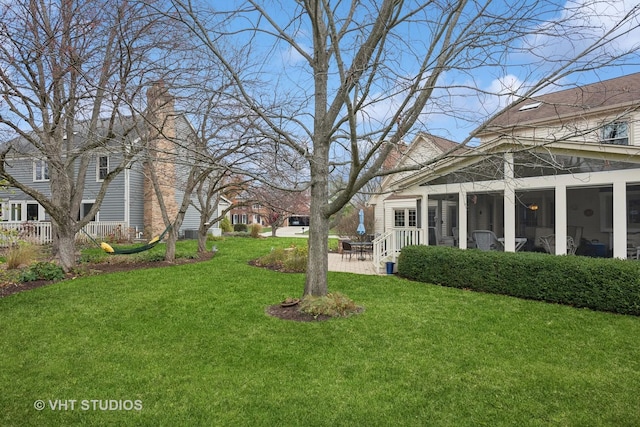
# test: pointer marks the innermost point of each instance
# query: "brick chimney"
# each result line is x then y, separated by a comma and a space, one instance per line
394, 156
162, 148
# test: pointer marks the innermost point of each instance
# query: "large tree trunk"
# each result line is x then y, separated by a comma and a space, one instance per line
318, 264
64, 238
202, 240
172, 238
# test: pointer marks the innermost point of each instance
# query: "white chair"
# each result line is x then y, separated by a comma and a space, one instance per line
549, 244
486, 240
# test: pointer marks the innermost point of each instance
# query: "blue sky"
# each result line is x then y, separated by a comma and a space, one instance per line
467, 98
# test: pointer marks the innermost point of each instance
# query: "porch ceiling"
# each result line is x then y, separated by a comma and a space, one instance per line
613, 153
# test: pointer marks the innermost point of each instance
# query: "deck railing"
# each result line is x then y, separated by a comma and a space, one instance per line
387, 247
39, 232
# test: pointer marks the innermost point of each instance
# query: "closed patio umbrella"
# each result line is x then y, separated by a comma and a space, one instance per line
361, 230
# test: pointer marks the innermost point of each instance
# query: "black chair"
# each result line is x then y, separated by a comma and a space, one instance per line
368, 249
347, 249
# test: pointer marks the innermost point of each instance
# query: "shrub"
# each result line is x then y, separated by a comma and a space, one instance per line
42, 271
292, 259
296, 259
273, 259
240, 227
21, 254
255, 230
334, 305
598, 283
225, 225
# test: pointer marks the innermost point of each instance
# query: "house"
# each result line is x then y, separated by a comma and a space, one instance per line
130, 207
558, 172
402, 211
262, 205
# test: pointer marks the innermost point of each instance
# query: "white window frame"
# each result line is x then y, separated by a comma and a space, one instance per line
15, 208
40, 171
409, 217
83, 212
39, 211
100, 168
17, 211
615, 133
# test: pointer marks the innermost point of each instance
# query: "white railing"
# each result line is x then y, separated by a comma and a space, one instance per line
39, 233
34, 232
387, 247
381, 248
114, 230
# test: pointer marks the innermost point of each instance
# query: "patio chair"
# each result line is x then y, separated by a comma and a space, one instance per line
347, 249
486, 240
368, 249
549, 244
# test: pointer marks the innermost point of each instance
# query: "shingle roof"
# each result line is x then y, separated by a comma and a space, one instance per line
443, 143
581, 100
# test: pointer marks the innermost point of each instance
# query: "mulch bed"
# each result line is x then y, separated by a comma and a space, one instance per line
102, 268
293, 313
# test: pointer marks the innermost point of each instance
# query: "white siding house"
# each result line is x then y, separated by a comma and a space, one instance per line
559, 172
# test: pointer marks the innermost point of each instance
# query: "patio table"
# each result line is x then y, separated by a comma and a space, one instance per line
361, 247
520, 242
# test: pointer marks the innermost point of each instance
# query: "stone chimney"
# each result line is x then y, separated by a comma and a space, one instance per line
161, 157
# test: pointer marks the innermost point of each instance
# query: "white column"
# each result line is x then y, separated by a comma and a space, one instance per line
620, 220
561, 219
462, 219
127, 199
509, 202
509, 219
424, 219
439, 222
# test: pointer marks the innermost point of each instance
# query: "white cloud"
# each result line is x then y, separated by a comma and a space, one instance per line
291, 56
583, 22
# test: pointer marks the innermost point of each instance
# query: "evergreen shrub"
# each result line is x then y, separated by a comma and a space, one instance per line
603, 284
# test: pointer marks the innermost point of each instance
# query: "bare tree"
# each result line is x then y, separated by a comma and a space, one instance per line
194, 171
72, 79
348, 81
279, 204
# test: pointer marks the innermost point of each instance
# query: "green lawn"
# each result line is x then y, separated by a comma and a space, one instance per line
193, 346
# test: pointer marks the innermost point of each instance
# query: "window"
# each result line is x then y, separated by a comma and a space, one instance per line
32, 211
16, 212
239, 219
85, 207
40, 171
102, 165
21, 211
532, 106
615, 133
413, 218
405, 218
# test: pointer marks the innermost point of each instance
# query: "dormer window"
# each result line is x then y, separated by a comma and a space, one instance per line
616, 133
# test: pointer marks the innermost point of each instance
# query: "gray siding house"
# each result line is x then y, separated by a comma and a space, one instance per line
129, 209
